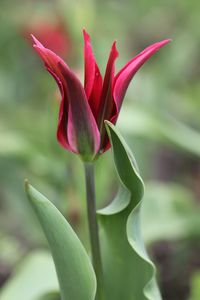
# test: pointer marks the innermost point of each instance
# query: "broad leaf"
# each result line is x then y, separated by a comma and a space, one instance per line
74, 270
129, 273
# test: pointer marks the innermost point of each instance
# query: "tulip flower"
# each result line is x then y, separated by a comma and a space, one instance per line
83, 109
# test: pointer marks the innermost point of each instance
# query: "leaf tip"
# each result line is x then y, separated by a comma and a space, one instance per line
33, 195
26, 185
108, 125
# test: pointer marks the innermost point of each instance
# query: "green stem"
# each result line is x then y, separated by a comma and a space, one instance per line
93, 228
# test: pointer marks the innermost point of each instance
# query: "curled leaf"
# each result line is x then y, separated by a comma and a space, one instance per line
129, 272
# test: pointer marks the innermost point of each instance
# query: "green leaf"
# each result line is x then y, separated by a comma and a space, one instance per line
129, 273
74, 270
32, 279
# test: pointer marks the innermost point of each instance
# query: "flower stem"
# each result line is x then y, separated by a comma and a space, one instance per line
93, 228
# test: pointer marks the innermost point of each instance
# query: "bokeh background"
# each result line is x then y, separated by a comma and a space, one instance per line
159, 119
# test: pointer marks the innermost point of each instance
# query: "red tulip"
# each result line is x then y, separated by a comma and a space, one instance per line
83, 110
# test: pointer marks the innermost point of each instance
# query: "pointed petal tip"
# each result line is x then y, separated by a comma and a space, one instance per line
36, 42
33, 38
164, 42
86, 35
114, 44
114, 47
169, 40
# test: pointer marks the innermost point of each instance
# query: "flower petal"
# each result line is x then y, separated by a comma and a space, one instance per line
77, 128
124, 76
107, 103
89, 64
93, 78
62, 119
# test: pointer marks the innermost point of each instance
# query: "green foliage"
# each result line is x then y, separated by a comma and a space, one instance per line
169, 202
195, 287
162, 128
74, 269
34, 278
129, 273
52, 296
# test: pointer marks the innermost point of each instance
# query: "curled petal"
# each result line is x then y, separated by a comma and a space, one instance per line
124, 76
77, 128
62, 119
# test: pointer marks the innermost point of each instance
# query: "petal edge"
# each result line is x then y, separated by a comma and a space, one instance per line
125, 75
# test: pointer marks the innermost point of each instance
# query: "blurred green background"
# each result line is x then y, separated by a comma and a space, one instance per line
159, 119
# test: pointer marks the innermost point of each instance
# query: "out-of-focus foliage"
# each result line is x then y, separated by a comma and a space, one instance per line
175, 211
195, 294
32, 282
160, 119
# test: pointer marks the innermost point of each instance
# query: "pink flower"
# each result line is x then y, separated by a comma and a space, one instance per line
83, 110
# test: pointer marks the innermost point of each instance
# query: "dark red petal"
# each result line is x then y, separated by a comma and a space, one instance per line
62, 119
93, 78
107, 103
82, 130
89, 64
94, 99
77, 128
63, 111
124, 76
